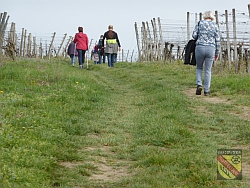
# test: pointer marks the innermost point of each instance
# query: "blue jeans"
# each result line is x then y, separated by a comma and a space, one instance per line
111, 60
101, 57
73, 58
115, 58
81, 56
204, 55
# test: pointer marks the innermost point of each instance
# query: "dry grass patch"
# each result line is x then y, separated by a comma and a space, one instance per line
243, 112
211, 99
109, 168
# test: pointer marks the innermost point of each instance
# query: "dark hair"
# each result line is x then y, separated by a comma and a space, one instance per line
80, 29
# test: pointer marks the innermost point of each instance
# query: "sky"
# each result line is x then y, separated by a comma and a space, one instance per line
42, 18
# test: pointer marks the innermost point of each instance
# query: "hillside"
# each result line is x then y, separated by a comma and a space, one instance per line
135, 125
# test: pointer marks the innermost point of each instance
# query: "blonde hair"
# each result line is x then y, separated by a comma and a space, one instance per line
208, 14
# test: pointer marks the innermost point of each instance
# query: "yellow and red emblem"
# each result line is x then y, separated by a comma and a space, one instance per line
229, 164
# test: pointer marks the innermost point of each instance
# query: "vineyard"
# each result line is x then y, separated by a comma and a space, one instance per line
165, 39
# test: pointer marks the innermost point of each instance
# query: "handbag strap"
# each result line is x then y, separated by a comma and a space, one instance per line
198, 30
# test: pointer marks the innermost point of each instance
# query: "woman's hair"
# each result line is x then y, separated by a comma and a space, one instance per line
208, 14
80, 29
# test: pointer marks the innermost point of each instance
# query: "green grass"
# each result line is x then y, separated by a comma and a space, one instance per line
129, 126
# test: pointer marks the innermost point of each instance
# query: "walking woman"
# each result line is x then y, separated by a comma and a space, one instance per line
72, 52
206, 51
81, 40
112, 45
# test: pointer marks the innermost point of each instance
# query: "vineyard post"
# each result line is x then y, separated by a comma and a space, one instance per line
122, 55
119, 56
50, 46
153, 42
142, 45
138, 41
150, 42
235, 42
156, 40
127, 57
12, 33
41, 50
24, 43
247, 55
200, 15
34, 53
12, 38
132, 56
246, 59
218, 24
145, 41
188, 26
248, 10
3, 25
21, 45
58, 51
161, 40
228, 42
15, 38
29, 45
1, 15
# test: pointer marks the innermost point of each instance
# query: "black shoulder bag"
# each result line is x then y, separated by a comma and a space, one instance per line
190, 50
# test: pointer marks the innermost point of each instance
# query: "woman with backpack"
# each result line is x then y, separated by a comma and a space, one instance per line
101, 51
112, 45
72, 52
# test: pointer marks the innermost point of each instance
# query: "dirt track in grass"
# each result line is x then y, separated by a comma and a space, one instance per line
242, 112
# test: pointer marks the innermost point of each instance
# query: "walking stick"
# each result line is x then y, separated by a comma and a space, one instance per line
88, 55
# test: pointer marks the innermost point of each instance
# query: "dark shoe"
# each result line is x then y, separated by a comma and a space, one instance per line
198, 90
206, 93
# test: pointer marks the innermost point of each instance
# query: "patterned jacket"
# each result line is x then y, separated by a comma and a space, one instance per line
208, 34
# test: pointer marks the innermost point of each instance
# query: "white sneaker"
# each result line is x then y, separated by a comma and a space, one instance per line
81, 67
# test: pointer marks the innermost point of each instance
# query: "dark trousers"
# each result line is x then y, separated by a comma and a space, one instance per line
101, 57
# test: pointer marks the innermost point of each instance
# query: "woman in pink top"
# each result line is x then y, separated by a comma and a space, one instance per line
81, 40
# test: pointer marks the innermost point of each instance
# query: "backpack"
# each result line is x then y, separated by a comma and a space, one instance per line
100, 44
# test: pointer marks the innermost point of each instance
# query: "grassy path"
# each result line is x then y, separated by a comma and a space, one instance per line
135, 104
136, 125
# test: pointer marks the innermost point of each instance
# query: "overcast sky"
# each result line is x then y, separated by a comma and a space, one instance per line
43, 17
